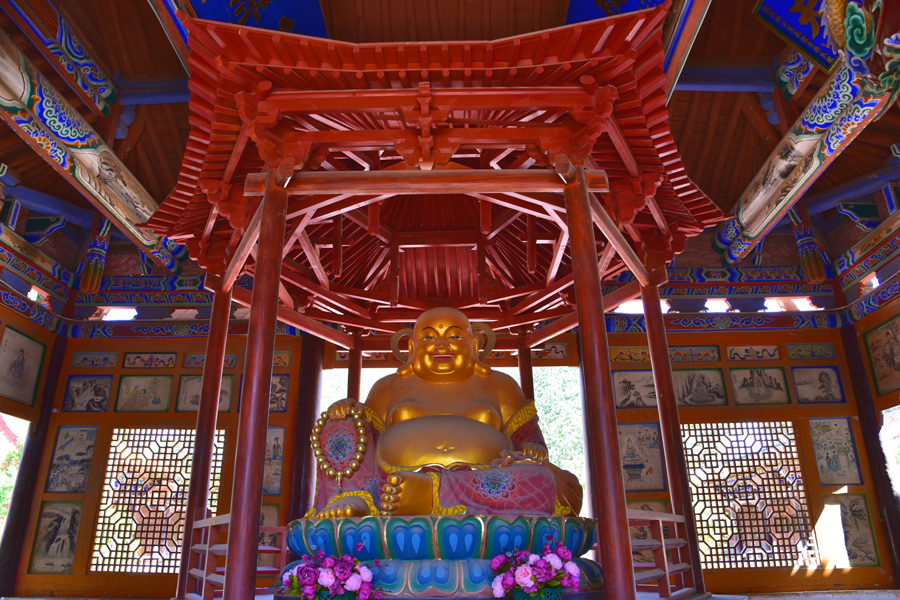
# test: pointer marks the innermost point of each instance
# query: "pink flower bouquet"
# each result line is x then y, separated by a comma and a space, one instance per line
323, 576
553, 571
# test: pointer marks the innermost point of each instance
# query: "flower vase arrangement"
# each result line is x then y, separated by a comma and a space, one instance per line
321, 577
528, 575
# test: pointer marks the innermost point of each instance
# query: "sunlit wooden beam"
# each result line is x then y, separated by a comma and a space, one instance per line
244, 248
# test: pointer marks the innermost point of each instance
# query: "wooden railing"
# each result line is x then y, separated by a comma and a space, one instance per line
206, 568
669, 574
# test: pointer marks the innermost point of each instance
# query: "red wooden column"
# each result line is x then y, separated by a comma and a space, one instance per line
246, 495
670, 426
526, 371
303, 467
354, 370
600, 426
207, 413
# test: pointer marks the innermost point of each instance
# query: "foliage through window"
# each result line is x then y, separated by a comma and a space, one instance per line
140, 524
749, 497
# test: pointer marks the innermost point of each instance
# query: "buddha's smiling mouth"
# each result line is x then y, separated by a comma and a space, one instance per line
442, 358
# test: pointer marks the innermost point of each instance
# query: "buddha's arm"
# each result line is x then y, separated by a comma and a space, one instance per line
521, 420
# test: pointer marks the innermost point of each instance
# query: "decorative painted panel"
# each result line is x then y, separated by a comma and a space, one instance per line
95, 360
54, 540
189, 388
630, 354
749, 496
810, 351
87, 393
21, 358
699, 387
817, 384
753, 353
140, 524
641, 454
143, 393
278, 396
149, 360
798, 24
855, 524
634, 389
273, 461
551, 351
268, 517
70, 463
760, 386
694, 353
197, 361
835, 451
281, 360
883, 348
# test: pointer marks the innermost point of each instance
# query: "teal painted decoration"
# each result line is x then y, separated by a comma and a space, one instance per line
798, 22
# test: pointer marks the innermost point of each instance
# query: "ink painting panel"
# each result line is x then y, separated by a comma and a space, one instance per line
835, 451
634, 389
144, 393
54, 540
643, 532
760, 386
149, 360
70, 463
278, 396
699, 387
189, 390
273, 461
883, 347
753, 353
856, 525
268, 517
641, 455
21, 360
817, 384
87, 393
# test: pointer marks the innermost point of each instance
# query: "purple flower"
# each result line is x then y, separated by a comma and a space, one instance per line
564, 553
336, 589
365, 591
498, 561
531, 589
309, 591
542, 571
307, 574
328, 563
508, 581
359, 546
342, 571
521, 556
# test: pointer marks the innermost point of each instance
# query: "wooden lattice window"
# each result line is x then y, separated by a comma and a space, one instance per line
140, 524
749, 497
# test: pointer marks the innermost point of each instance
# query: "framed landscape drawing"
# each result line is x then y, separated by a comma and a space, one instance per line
883, 347
699, 387
87, 393
21, 359
70, 464
634, 389
760, 386
54, 540
817, 384
189, 387
143, 393
856, 526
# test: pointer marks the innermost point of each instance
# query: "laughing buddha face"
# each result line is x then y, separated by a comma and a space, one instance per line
443, 347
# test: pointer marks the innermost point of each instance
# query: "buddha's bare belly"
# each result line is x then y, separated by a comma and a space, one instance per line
441, 440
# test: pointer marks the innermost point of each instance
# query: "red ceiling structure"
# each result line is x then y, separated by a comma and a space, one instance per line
424, 171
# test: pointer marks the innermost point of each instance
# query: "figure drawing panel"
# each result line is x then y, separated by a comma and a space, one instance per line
859, 539
20, 366
190, 388
883, 347
268, 517
634, 389
143, 393
817, 384
71, 461
760, 386
273, 461
699, 387
835, 451
641, 454
278, 394
643, 532
54, 540
87, 393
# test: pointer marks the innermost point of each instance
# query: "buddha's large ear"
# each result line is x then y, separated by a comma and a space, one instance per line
486, 339
406, 369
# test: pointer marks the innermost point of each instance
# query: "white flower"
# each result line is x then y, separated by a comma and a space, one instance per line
353, 582
326, 577
554, 560
533, 558
365, 573
497, 587
572, 568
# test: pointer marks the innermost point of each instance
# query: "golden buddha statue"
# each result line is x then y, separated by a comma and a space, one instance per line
451, 436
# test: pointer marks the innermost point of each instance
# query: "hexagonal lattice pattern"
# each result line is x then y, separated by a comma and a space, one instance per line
140, 523
749, 497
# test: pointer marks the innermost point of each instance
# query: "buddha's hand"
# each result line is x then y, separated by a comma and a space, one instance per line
512, 457
343, 408
533, 450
